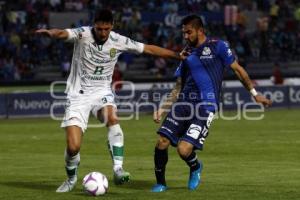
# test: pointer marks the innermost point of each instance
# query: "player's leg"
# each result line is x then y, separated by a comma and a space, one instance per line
72, 157
75, 123
168, 134
115, 142
187, 153
194, 139
160, 162
72, 153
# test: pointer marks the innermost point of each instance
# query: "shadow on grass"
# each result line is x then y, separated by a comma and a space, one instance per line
138, 185
124, 191
46, 186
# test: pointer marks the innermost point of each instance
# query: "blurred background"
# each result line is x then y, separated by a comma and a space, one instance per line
263, 33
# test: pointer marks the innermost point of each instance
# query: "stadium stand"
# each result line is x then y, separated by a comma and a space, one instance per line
261, 32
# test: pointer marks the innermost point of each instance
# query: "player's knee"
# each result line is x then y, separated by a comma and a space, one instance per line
112, 120
183, 151
73, 149
163, 142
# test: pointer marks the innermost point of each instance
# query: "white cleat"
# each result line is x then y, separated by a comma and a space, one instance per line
67, 186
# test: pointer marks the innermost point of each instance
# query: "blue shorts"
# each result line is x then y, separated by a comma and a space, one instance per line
188, 122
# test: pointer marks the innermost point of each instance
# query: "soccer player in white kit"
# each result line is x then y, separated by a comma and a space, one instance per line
96, 51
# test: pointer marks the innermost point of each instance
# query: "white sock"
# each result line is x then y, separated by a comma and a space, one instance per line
116, 145
72, 163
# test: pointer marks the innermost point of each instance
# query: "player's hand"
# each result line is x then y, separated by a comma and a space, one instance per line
157, 115
45, 32
186, 51
263, 100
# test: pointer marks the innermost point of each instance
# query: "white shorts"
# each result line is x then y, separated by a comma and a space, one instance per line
79, 106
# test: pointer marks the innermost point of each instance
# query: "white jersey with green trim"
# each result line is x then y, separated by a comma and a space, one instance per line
92, 64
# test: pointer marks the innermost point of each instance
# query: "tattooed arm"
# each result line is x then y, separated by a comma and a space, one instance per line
168, 102
246, 81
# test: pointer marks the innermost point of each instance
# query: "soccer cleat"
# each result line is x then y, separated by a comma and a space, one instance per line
67, 186
195, 178
121, 176
159, 188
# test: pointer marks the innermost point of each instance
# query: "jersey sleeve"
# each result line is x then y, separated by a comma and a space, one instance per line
75, 33
225, 53
131, 45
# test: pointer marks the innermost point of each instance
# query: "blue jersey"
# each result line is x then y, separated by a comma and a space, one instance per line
202, 72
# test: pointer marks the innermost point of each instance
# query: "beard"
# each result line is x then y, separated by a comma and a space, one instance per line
193, 43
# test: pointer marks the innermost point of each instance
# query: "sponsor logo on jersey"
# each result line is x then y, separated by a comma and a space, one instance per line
86, 75
194, 131
112, 52
229, 52
98, 78
206, 53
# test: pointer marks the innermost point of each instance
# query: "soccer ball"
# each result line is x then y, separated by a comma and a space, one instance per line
95, 184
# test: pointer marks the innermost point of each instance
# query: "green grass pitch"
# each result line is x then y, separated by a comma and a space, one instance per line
243, 160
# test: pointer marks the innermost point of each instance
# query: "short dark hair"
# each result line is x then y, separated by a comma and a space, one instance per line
194, 20
104, 15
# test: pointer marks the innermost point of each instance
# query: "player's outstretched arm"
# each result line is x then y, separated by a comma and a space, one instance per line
168, 102
162, 52
54, 33
246, 81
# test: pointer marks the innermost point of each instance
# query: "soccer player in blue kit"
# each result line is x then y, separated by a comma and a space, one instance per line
194, 100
